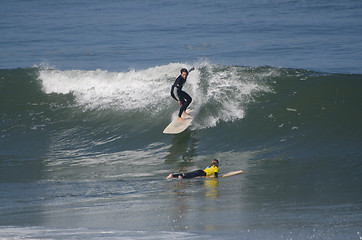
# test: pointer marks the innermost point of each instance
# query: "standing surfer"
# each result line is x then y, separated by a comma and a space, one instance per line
182, 97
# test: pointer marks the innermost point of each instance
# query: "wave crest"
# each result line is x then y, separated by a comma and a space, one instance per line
220, 93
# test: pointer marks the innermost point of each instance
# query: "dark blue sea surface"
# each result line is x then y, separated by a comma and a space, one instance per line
85, 96
113, 35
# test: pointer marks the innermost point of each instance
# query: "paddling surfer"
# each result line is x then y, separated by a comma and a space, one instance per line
210, 171
180, 96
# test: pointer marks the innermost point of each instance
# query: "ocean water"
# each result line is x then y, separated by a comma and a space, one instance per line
84, 98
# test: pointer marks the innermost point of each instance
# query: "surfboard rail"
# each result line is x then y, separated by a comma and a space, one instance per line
232, 173
177, 126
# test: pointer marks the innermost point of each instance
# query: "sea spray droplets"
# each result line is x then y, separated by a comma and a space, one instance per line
220, 93
227, 91
133, 90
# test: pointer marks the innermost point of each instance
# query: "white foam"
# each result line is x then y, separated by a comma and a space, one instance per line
40, 232
223, 93
132, 90
232, 90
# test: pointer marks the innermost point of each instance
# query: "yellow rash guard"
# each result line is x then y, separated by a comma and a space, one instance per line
211, 171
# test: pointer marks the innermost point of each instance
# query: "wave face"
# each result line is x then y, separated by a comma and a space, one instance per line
78, 115
254, 106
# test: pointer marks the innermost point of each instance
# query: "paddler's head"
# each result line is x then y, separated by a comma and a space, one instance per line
215, 162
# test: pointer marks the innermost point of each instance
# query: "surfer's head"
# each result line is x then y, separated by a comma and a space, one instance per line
184, 73
215, 162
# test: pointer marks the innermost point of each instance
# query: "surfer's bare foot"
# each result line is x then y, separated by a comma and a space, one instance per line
186, 113
181, 119
179, 177
169, 176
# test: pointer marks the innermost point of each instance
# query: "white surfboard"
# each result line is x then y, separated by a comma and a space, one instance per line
178, 126
232, 173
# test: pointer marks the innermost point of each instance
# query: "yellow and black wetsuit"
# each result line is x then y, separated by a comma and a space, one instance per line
212, 171
207, 172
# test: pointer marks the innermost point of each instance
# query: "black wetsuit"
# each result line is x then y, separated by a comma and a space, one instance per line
179, 95
211, 170
197, 173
